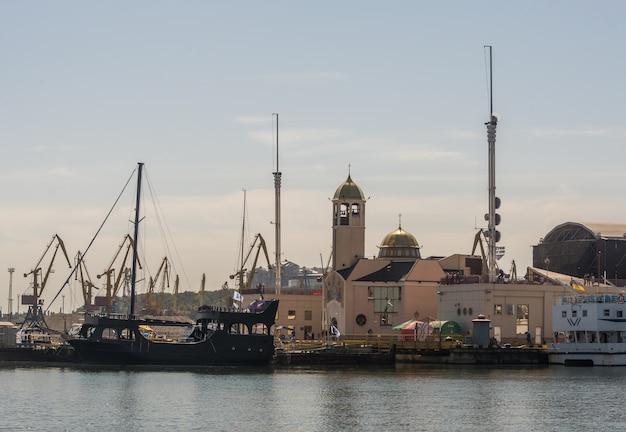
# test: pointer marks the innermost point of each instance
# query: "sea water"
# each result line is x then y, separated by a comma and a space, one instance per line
400, 398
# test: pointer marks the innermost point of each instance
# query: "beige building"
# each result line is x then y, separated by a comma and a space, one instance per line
299, 313
365, 296
513, 308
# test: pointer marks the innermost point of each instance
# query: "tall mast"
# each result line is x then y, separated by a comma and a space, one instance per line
493, 219
277, 178
134, 272
243, 238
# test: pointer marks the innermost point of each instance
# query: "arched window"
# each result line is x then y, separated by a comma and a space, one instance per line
343, 214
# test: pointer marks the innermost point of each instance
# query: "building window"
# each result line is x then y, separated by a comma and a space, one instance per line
386, 299
563, 314
585, 312
497, 309
497, 333
521, 320
291, 315
361, 320
606, 313
574, 313
308, 315
619, 314
386, 302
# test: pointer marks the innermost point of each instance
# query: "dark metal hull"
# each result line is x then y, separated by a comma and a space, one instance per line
219, 349
61, 354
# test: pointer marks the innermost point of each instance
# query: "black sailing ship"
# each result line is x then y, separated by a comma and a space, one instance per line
220, 336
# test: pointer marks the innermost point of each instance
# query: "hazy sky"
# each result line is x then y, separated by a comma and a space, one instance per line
396, 90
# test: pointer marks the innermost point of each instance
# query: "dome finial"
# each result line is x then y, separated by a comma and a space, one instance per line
399, 220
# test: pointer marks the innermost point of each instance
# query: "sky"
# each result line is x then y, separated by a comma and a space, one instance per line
395, 93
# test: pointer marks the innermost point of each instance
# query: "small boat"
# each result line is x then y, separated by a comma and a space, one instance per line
35, 345
32, 337
589, 330
221, 336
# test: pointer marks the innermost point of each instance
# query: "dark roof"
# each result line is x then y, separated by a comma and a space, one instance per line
349, 190
393, 272
345, 273
575, 231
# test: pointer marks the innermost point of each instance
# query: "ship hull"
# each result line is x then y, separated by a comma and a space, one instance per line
573, 354
232, 349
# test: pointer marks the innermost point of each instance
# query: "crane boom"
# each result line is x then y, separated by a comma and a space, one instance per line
259, 244
113, 286
85, 280
164, 267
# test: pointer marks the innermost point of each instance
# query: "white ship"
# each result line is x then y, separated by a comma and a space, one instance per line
589, 330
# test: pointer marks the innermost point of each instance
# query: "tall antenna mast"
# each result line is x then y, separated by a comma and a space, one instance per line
490, 82
277, 179
493, 219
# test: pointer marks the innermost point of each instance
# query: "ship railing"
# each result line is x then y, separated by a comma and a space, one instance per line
116, 316
211, 308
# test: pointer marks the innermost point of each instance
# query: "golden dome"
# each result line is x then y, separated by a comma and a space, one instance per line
399, 243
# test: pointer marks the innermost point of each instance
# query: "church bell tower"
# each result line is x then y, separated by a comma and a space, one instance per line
348, 225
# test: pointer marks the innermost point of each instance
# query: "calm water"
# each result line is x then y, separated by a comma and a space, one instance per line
404, 398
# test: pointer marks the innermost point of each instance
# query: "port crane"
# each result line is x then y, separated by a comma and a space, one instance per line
259, 244
155, 306
113, 283
325, 268
175, 297
34, 316
85, 280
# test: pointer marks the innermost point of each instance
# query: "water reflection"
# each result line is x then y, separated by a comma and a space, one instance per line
409, 397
